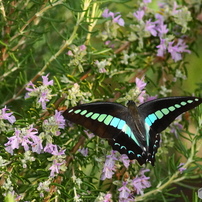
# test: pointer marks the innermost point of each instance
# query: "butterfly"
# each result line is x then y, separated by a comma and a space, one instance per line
132, 130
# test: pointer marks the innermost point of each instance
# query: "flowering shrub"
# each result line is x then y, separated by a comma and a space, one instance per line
57, 54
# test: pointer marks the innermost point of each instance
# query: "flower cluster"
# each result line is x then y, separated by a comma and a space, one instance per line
158, 28
110, 164
6, 119
74, 94
134, 187
145, 26
77, 56
102, 64
137, 93
52, 125
42, 93
25, 137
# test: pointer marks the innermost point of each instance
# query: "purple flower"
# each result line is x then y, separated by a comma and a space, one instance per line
119, 20
89, 134
44, 98
162, 30
42, 92
70, 53
59, 119
151, 27
7, 116
160, 19
140, 84
82, 47
109, 166
108, 198
124, 191
161, 48
152, 98
46, 82
29, 89
142, 182
84, 151
53, 149
175, 6
55, 167
106, 14
181, 168
175, 126
177, 49
26, 138
126, 161
139, 14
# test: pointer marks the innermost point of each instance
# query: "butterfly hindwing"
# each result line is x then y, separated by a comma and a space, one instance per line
125, 145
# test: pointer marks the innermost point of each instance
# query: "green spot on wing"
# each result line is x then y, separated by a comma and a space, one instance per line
171, 108
101, 117
183, 103
83, 112
165, 111
77, 111
71, 110
177, 106
108, 119
94, 116
189, 101
89, 114
159, 114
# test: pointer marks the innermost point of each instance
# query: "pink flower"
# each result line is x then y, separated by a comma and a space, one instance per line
7, 116
116, 18
139, 14
46, 82
26, 138
109, 166
55, 167
141, 182
124, 191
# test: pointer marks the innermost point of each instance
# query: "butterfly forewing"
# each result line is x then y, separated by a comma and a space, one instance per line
160, 113
96, 117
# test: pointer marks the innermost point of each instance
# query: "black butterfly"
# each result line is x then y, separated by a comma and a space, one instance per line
131, 130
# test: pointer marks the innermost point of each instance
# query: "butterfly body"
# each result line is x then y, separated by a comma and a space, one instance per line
131, 130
